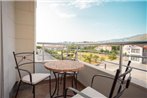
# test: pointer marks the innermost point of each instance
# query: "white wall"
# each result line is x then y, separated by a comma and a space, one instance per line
8, 23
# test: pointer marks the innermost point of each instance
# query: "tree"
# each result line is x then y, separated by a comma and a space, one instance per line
102, 59
115, 49
89, 47
72, 47
96, 57
106, 51
38, 47
112, 56
101, 51
88, 58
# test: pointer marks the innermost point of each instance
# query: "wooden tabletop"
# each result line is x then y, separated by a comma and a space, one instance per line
64, 66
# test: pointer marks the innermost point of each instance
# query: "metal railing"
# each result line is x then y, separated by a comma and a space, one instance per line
120, 44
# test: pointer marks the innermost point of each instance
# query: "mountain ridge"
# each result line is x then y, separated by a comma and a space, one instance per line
139, 37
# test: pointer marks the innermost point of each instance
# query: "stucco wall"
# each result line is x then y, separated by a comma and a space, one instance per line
8, 24
25, 25
17, 35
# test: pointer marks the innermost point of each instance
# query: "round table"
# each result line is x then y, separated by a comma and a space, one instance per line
63, 66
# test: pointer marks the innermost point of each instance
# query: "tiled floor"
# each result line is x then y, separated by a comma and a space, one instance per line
42, 89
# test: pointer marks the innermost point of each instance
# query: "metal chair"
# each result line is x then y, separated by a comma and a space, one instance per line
120, 80
28, 59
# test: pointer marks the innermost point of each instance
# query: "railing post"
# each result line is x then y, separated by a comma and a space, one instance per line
120, 58
62, 54
43, 52
76, 54
67, 51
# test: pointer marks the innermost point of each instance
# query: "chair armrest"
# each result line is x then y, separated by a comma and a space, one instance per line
75, 91
100, 75
27, 72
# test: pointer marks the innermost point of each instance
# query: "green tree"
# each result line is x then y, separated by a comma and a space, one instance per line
101, 51
88, 58
106, 51
96, 57
90, 47
112, 56
115, 49
102, 59
72, 46
38, 47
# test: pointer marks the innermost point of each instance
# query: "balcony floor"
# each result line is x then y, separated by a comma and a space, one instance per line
42, 89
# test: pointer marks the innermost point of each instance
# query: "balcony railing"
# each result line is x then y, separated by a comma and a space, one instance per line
102, 58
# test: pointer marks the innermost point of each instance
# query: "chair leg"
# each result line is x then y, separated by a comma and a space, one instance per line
33, 91
72, 81
58, 85
50, 86
76, 80
18, 89
61, 78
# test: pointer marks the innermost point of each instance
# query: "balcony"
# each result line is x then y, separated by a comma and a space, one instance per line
17, 33
57, 51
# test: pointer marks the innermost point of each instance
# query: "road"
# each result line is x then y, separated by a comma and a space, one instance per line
47, 56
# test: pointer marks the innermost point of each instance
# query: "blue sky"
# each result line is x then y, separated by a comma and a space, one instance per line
89, 20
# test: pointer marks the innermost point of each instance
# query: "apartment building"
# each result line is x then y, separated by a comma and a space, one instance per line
135, 52
104, 47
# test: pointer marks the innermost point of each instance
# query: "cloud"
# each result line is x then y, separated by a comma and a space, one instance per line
66, 8
61, 10
65, 15
83, 4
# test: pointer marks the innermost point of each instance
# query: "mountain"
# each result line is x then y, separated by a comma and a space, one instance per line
140, 37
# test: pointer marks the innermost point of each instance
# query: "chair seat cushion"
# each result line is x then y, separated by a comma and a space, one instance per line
91, 93
36, 78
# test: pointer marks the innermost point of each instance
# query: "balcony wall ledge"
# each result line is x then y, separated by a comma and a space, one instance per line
134, 81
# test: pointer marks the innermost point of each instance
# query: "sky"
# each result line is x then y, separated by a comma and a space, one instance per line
89, 20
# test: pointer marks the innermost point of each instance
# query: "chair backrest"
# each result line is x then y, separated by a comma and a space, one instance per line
23, 59
123, 78
123, 81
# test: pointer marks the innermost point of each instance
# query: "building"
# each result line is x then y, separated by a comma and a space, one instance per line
104, 47
135, 52
144, 60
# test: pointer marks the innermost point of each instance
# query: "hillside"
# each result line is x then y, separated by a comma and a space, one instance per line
142, 37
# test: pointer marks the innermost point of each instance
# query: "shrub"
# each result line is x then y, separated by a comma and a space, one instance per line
112, 56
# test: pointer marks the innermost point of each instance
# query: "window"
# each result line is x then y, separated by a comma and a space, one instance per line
135, 50
134, 58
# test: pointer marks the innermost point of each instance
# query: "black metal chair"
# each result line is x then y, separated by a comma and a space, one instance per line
121, 82
28, 59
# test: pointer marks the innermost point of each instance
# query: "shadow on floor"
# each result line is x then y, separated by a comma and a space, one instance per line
42, 89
